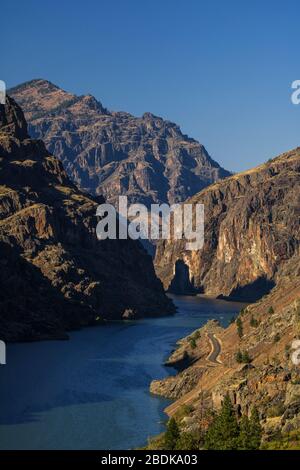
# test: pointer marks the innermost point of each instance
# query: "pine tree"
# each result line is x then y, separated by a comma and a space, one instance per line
223, 434
255, 430
187, 441
245, 432
172, 435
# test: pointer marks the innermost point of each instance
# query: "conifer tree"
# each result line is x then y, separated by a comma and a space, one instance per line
255, 430
187, 441
172, 435
223, 434
245, 432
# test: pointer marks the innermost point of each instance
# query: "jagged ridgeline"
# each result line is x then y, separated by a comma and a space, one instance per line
55, 275
114, 153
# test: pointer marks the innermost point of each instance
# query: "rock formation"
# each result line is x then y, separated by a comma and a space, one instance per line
251, 250
268, 379
114, 153
252, 228
54, 273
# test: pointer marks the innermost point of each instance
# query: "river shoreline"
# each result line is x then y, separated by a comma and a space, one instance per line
93, 392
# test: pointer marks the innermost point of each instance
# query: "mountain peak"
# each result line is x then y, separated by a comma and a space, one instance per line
146, 158
12, 120
40, 83
93, 104
40, 98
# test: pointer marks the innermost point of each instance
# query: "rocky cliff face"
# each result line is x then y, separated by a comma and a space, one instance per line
55, 274
268, 379
114, 153
251, 230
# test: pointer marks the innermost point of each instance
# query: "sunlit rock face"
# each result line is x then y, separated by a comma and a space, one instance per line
251, 230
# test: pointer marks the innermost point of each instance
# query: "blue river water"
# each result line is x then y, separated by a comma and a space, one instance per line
92, 392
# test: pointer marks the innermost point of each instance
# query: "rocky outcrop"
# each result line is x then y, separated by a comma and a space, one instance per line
55, 275
114, 153
268, 379
252, 229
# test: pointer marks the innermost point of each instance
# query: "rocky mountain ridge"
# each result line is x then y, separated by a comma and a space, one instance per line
252, 229
114, 153
55, 275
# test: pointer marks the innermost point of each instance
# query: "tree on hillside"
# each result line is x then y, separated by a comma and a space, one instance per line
223, 434
245, 431
239, 356
255, 430
172, 435
239, 325
188, 441
250, 432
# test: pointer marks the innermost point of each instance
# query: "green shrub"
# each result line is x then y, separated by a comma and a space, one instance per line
239, 325
183, 411
196, 335
253, 322
275, 410
243, 357
239, 356
276, 338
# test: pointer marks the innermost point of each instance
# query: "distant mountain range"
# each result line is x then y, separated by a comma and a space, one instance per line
114, 153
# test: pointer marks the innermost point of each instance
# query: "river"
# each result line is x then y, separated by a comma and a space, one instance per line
92, 392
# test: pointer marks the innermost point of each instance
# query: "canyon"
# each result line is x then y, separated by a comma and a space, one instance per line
251, 230
55, 275
55, 266
268, 378
251, 253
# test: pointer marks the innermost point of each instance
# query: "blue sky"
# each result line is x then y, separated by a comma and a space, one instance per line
220, 69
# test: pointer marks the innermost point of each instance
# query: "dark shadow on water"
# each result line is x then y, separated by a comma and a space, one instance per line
252, 292
67, 398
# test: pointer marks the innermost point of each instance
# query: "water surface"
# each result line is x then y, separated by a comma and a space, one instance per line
92, 392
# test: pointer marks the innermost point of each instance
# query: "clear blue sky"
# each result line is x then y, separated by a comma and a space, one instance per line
220, 69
